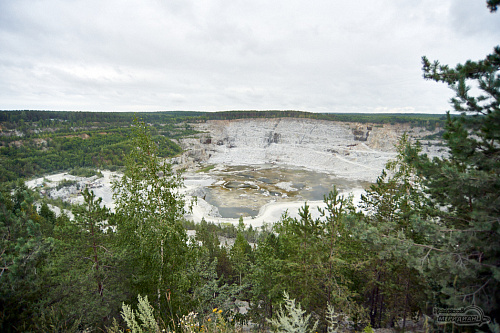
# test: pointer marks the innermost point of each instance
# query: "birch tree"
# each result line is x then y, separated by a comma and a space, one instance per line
150, 208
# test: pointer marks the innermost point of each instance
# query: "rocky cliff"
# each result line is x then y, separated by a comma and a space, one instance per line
350, 150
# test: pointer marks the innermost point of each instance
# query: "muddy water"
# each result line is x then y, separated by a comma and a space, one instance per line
243, 190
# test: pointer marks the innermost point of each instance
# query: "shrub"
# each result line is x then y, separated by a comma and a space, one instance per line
292, 318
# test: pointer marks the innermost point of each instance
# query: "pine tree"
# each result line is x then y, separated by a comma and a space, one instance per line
23, 253
93, 221
394, 206
266, 278
84, 277
240, 255
464, 257
314, 259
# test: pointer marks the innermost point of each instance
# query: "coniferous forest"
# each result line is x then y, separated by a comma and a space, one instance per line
425, 236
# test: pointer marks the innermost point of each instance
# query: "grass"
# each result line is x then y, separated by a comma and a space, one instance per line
207, 168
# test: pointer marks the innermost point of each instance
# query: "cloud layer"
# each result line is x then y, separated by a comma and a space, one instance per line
349, 56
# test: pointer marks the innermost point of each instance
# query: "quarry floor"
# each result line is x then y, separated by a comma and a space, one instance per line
260, 193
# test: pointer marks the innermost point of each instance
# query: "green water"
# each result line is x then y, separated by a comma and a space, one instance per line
246, 187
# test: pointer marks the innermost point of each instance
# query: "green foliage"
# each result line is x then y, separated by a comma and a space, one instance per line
84, 273
302, 244
50, 219
266, 278
292, 318
66, 183
23, 253
149, 222
368, 329
141, 320
92, 220
395, 207
464, 253
397, 196
207, 168
208, 234
85, 172
51, 142
56, 321
314, 259
241, 252
226, 230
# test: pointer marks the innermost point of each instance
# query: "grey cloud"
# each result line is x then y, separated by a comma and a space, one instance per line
473, 21
216, 55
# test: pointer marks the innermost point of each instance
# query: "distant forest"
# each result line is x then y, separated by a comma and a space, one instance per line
34, 143
75, 118
416, 119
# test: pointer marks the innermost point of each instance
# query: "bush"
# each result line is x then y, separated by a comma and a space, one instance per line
292, 318
85, 172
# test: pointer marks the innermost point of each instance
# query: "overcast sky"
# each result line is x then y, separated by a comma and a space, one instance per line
319, 56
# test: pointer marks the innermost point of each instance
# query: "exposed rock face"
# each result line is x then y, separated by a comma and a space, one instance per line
350, 150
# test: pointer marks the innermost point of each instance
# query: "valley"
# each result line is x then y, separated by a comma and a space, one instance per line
262, 168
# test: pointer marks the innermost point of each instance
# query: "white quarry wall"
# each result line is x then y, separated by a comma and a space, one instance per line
350, 150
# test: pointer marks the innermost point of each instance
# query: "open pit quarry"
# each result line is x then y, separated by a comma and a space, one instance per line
350, 150
261, 168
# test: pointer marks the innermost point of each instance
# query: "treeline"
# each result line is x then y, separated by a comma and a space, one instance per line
36, 121
417, 120
75, 118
